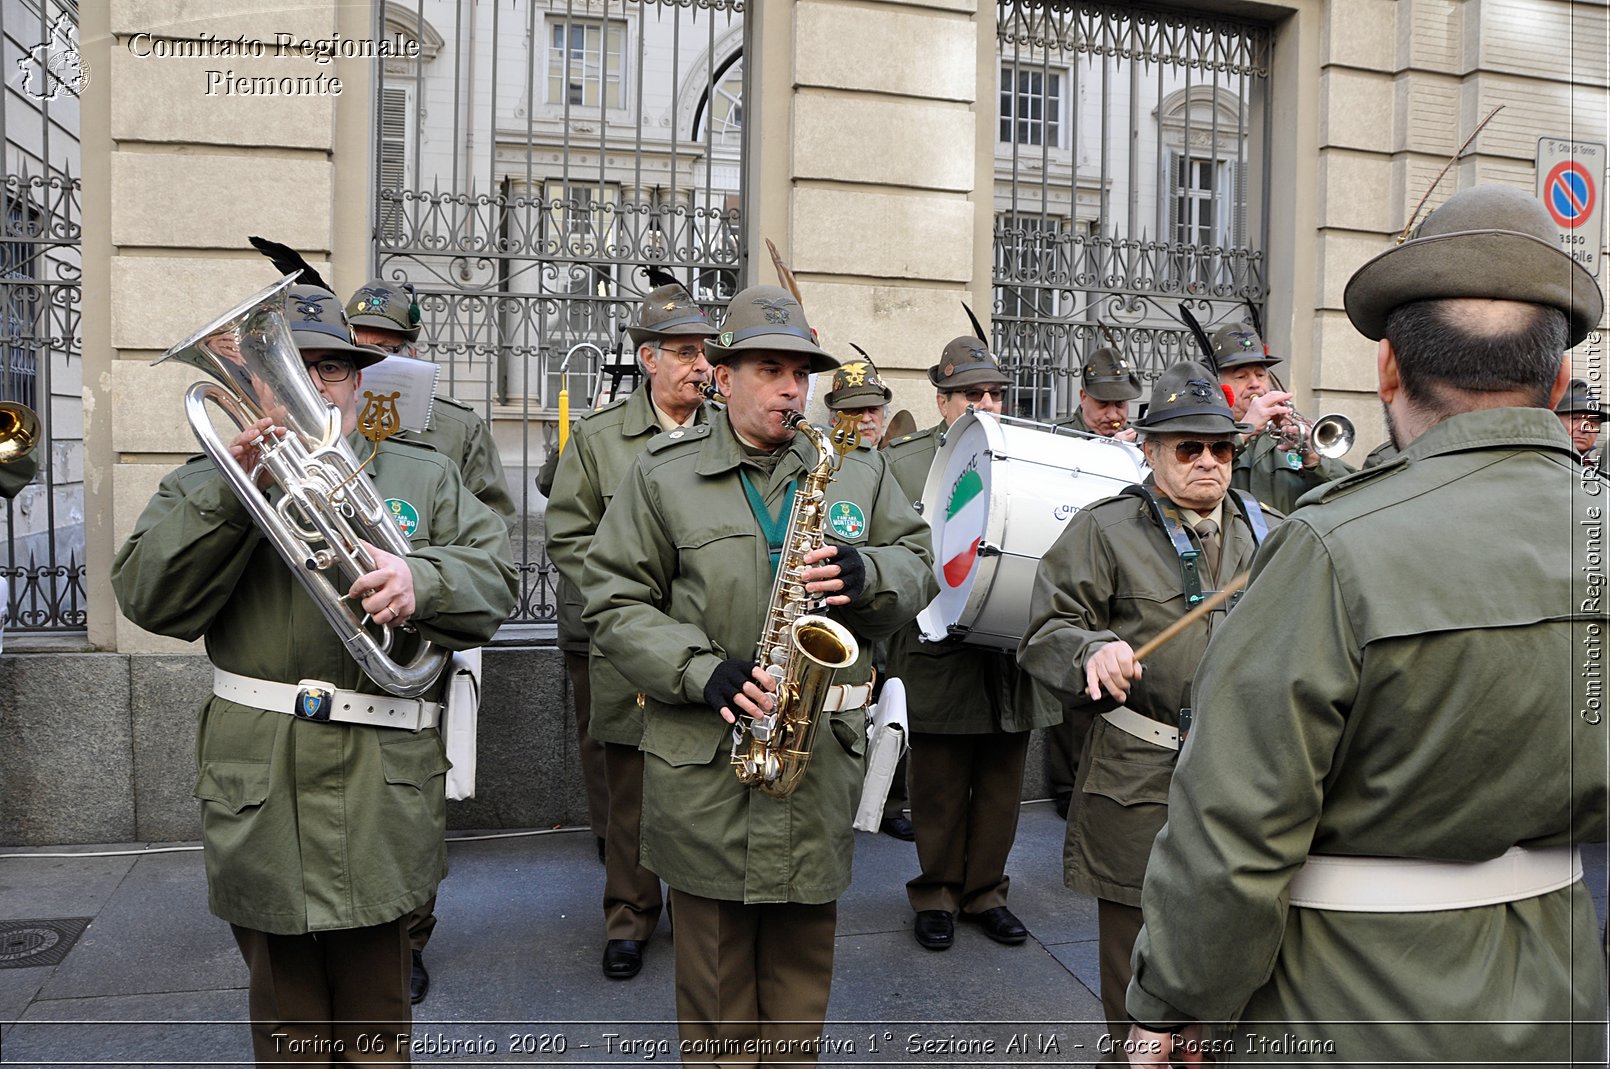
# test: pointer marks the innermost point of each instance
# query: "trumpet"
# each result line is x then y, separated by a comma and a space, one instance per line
1330, 436
19, 431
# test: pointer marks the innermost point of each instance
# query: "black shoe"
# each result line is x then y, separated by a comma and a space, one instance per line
623, 958
418, 980
1000, 925
899, 827
935, 928
601, 850
1062, 801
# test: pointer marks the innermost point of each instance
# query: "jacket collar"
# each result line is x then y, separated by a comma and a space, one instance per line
722, 452
639, 417
1535, 428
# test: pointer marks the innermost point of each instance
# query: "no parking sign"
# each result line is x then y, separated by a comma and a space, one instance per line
1570, 175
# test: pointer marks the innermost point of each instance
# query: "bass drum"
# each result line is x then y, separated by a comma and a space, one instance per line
999, 493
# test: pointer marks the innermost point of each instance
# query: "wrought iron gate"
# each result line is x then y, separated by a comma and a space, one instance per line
1130, 157
42, 527
532, 159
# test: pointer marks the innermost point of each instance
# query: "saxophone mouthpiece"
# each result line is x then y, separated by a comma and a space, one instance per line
793, 419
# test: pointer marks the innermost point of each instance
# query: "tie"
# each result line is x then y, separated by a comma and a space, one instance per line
1208, 533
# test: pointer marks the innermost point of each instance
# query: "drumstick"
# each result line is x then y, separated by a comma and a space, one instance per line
1167, 634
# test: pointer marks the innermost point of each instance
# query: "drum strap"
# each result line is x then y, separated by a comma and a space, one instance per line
1190, 556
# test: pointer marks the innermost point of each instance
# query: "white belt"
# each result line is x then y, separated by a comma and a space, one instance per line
843, 696
1143, 727
326, 702
1416, 885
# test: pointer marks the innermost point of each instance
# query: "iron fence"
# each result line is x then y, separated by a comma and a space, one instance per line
532, 161
42, 527
1130, 162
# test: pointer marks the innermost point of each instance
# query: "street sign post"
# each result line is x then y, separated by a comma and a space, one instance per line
1570, 177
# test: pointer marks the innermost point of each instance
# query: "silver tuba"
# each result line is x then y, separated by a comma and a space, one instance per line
317, 523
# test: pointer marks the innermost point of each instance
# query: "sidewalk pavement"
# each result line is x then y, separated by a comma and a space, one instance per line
515, 979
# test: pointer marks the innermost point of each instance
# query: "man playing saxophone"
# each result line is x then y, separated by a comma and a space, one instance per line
677, 585
322, 824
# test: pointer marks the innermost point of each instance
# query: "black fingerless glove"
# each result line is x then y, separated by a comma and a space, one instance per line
725, 683
852, 569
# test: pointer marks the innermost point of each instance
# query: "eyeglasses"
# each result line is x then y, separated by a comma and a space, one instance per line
391, 348
685, 355
978, 393
1586, 423
1187, 452
333, 370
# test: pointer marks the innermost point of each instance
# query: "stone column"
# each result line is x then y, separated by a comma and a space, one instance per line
869, 172
190, 145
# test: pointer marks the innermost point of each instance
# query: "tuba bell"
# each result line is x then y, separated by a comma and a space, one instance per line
19, 431
317, 523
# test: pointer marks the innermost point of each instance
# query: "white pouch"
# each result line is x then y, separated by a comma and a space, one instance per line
886, 742
460, 710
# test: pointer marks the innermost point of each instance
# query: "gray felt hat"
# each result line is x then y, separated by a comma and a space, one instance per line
766, 319
1487, 241
1188, 399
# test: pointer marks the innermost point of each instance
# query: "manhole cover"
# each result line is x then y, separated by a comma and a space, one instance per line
24, 944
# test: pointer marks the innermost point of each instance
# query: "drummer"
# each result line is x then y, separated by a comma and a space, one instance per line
1121, 572
1106, 386
971, 710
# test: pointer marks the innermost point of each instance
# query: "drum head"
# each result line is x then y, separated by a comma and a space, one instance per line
956, 502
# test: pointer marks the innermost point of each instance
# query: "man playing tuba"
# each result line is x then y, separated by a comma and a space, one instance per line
322, 829
677, 585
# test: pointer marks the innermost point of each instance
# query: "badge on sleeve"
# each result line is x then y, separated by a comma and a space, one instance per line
846, 519
406, 515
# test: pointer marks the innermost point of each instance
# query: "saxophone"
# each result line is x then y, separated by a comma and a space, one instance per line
800, 649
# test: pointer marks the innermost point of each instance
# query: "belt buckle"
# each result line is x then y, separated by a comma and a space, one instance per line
314, 701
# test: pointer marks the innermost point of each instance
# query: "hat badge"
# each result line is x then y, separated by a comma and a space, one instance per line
949, 369
854, 374
1199, 390
310, 307
726, 338
775, 311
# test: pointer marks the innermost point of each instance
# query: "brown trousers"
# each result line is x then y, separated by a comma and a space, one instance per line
631, 893
421, 922
590, 749
752, 981
1118, 926
329, 998
965, 794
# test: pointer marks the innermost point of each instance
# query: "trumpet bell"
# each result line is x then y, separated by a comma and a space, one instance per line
19, 431
1333, 435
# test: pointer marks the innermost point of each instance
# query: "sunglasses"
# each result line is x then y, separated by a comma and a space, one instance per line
977, 394
1187, 452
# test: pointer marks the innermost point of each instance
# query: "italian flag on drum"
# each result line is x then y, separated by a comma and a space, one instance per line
965, 516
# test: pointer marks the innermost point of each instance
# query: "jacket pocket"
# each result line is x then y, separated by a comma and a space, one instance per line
1128, 782
412, 759
682, 734
235, 785
850, 736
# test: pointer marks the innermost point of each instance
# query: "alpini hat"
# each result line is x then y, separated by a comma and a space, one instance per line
318, 322
385, 306
1107, 376
1187, 399
858, 385
1487, 241
1238, 345
964, 362
1578, 400
766, 319
668, 310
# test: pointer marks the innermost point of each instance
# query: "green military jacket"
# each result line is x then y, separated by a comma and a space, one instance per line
1261, 470
461, 436
1448, 607
677, 581
953, 688
311, 826
1075, 421
603, 448
16, 475
1113, 574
